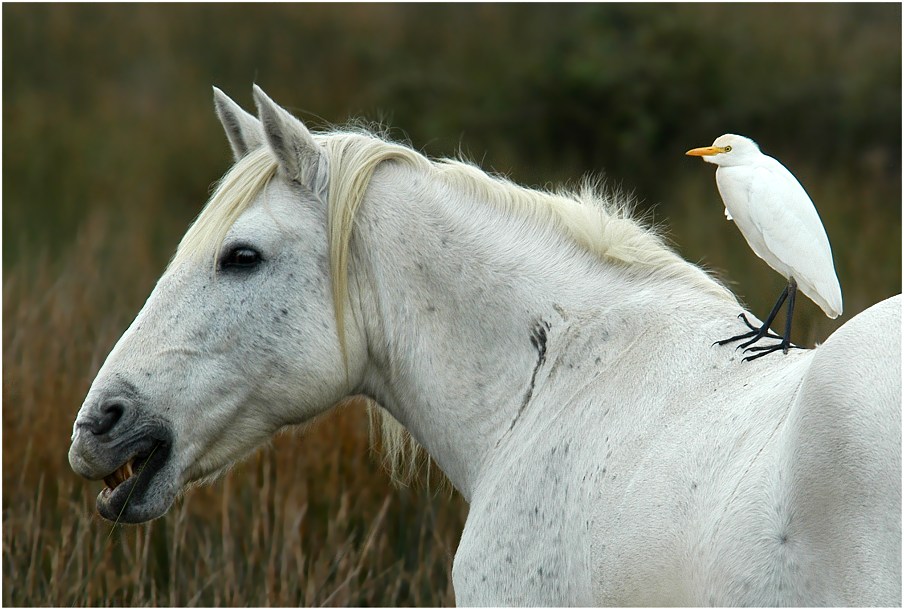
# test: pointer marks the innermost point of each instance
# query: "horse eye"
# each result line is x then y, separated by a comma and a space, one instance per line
240, 257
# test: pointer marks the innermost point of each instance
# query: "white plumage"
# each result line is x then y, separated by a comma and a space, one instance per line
777, 218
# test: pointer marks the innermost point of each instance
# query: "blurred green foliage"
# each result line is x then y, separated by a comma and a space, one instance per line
108, 105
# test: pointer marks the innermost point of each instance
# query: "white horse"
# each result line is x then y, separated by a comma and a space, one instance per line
553, 357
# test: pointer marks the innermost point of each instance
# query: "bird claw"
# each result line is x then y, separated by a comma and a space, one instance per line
763, 351
732, 339
743, 316
762, 332
768, 349
756, 332
757, 328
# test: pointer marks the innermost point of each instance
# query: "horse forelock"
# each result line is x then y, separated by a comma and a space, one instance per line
603, 225
234, 193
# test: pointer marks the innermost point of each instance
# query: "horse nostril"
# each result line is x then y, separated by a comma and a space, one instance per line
110, 414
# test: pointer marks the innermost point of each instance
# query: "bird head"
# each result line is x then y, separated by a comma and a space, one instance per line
729, 149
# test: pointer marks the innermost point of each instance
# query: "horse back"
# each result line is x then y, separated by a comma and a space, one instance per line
844, 459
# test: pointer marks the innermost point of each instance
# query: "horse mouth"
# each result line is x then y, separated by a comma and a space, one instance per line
133, 489
120, 475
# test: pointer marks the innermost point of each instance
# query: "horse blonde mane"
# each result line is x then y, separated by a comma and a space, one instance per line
601, 225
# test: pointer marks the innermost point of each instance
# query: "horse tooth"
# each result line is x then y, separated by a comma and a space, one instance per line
110, 481
128, 468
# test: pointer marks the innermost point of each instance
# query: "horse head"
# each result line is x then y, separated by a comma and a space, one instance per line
238, 338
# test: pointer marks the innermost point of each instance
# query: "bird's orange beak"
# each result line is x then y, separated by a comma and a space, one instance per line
705, 151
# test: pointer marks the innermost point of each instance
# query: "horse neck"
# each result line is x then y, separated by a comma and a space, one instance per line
458, 301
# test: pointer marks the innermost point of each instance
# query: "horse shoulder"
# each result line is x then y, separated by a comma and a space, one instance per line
844, 452
525, 541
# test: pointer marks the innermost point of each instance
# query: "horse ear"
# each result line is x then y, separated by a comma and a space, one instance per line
242, 129
299, 155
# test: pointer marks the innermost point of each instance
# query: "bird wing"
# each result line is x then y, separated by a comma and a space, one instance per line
784, 216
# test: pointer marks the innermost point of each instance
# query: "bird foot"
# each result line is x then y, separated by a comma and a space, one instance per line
768, 349
736, 338
756, 333
757, 328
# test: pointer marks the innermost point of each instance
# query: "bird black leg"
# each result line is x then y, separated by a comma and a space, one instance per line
762, 331
786, 340
756, 329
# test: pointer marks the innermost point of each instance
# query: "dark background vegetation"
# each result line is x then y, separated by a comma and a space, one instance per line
110, 146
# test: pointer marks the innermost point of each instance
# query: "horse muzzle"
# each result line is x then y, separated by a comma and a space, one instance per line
114, 440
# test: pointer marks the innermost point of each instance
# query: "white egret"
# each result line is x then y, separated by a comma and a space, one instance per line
777, 218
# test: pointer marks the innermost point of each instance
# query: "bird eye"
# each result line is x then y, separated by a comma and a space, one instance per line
240, 257
728, 149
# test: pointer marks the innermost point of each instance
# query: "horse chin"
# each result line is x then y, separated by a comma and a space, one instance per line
146, 495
